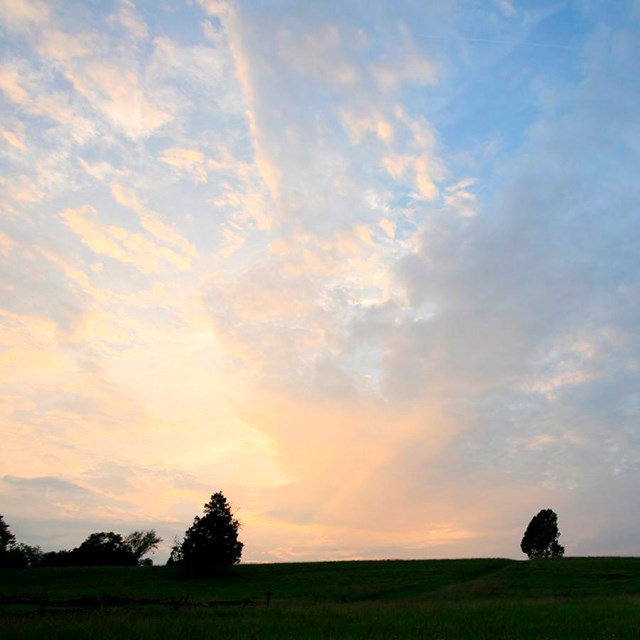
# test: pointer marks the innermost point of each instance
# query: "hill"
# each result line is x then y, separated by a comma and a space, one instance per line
476, 598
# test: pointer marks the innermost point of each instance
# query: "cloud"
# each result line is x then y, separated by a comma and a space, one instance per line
150, 220
289, 153
528, 305
190, 161
118, 243
15, 139
22, 189
506, 8
407, 64
10, 84
214, 7
118, 95
310, 255
132, 102
510, 322
44, 484
19, 15
460, 198
130, 20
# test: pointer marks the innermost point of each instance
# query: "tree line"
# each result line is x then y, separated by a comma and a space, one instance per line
99, 549
208, 546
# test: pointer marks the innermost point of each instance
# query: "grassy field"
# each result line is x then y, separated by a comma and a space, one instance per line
481, 598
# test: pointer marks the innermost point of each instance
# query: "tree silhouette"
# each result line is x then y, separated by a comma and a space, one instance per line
7, 545
7, 539
540, 540
14, 553
211, 543
104, 548
62, 558
142, 542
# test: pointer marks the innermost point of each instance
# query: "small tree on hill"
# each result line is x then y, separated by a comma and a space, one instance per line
142, 542
211, 543
540, 540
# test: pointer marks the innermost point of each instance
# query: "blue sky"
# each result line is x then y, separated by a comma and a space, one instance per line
369, 268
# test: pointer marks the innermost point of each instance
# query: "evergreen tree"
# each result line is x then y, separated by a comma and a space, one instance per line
211, 543
540, 540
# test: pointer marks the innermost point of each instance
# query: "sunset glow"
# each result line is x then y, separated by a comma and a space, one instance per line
371, 269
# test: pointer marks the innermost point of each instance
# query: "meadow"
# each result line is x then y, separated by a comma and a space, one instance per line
476, 598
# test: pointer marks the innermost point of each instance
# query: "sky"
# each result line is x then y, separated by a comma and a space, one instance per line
369, 268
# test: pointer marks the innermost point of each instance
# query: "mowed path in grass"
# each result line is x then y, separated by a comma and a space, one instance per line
475, 598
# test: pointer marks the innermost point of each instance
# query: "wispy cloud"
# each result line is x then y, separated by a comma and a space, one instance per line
372, 273
19, 15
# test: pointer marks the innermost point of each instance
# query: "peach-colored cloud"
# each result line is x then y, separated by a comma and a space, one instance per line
408, 64
571, 362
328, 338
22, 86
35, 366
388, 227
320, 55
6, 243
15, 139
122, 415
151, 220
358, 124
232, 240
384, 130
424, 181
345, 451
73, 273
215, 7
62, 47
268, 169
119, 95
21, 329
22, 189
130, 20
18, 15
396, 165
461, 199
119, 243
249, 205
11, 85
98, 170
190, 161
364, 234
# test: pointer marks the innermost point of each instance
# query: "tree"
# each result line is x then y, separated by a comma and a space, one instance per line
211, 543
63, 558
104, 548
540, 540
7, 539
15, 554
26, 555
7, 546
175, 558
142, 542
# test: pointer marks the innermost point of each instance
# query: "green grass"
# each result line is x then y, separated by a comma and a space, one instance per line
481, 598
